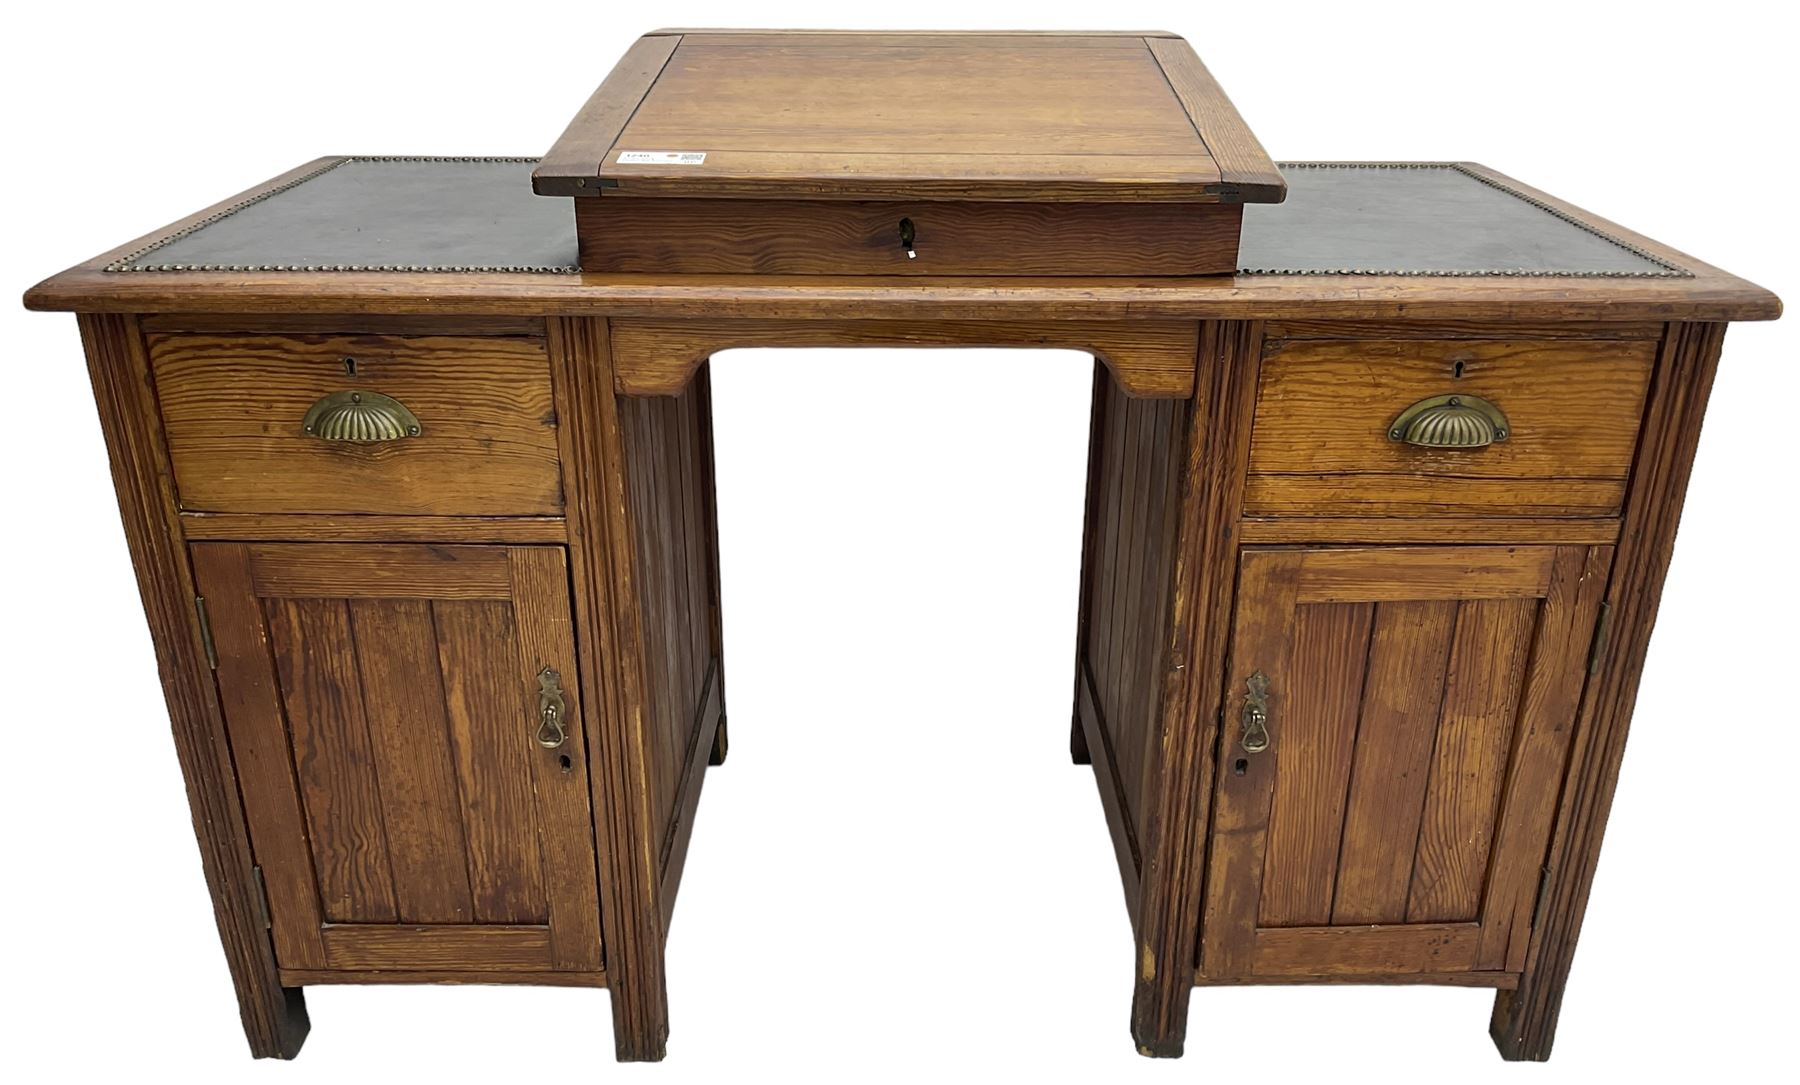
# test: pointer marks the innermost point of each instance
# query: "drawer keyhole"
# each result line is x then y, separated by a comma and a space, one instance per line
908, 234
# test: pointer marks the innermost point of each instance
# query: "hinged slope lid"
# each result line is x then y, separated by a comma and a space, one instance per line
1095, 117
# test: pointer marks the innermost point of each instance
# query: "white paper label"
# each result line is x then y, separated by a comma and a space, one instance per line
660, 158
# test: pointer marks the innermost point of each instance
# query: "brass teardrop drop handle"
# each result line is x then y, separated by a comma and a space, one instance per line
360, 418
1452, 422
1255, 737
553, 710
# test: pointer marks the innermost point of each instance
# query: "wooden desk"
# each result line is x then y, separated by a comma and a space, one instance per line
422, 513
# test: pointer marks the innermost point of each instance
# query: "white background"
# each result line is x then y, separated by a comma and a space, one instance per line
898, 875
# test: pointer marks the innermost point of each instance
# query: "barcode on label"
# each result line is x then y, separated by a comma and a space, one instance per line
660, 158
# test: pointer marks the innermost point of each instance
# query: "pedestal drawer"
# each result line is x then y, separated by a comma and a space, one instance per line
1446, 427
425, 425
839, 237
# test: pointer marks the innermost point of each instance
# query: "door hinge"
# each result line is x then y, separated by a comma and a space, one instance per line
1602, 633
1543, 892
206, 637
262, 898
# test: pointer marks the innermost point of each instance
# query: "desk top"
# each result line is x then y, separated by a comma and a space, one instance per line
1044, 117
1353, 241
389, 214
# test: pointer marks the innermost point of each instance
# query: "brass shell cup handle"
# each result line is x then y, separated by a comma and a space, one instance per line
1255, 716
1452, 422
362, 418
553, 710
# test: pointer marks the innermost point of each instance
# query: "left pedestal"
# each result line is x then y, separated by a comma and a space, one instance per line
436, 619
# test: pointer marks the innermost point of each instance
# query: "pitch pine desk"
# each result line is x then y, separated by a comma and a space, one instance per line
416, 472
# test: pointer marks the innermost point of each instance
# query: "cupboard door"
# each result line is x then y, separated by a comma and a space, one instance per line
1394, 740
394, 712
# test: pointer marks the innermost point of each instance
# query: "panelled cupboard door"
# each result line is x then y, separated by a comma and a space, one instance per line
1396, 729
395, 713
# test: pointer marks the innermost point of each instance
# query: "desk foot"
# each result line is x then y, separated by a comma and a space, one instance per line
640, 1026
1523, 1027
280, 1035
720, 745
1159, 1028
1166, 1047
1078, 747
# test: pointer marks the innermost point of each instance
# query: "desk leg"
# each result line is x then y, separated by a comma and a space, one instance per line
1165, 484
644, 561
1524, 1021
613, 681
274, 1017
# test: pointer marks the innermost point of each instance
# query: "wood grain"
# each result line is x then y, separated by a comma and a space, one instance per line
233, 405
1318, 738
1474, 736
1056, 97
409, 737
496, 948
1389, 495
863, 116
1300, 326
302, 527
1150, 359
315, 657
1401, 694
794, 237
300, 571
1395, 950
242, 325
310, 977
1501, 980
490, 705
1369, 574
1380, 529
